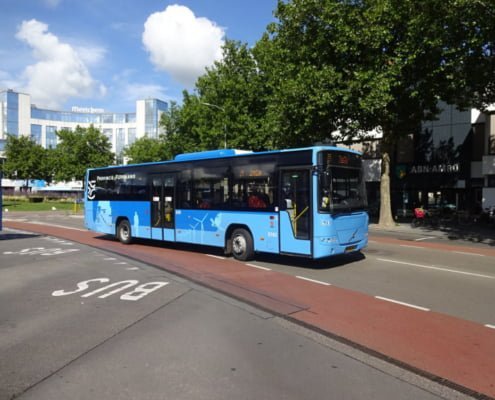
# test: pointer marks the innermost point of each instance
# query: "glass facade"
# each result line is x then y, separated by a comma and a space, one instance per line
131, 136
82, 118
153, 111
36, 134
51, 137
120, 140
12, 113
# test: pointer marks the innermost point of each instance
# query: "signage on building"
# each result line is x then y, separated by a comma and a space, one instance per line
434, 169
89, 110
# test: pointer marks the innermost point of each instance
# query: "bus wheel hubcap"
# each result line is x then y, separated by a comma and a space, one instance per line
239, 244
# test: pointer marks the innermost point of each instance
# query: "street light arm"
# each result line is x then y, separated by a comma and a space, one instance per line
212, 105
224, 125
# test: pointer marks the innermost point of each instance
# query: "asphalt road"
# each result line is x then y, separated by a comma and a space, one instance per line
452, 281
80, 323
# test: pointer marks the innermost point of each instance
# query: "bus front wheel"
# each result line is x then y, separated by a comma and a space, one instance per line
242, 245
124, 232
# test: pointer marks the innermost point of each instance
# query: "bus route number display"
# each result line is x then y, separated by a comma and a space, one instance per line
341, 159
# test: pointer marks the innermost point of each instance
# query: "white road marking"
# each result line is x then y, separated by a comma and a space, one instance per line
468, 253
313, 280
259, 267
109, 259
402, 303
218, 257
437, 268
424, 238
411, 246
57, 226
490, 326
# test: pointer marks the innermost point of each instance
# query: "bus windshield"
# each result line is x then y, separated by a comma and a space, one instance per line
341, 183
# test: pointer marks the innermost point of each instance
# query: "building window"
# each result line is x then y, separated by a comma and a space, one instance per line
12, 115
119, 140
107, 118
108, 132
131, 136
477, 143
36, 133
491, 145
51, 137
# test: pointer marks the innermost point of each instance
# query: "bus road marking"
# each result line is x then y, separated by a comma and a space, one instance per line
313, 280
402, 303
42, 251
437, 268
259, 267
136, 293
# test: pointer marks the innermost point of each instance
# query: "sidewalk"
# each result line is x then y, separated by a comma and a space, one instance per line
475, 233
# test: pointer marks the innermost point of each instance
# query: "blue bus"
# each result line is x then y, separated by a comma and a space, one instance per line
308, 202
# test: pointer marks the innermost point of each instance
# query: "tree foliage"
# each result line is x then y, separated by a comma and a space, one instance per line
227, 108
146, 149
354, 66
338, 69
79, 150
25, 159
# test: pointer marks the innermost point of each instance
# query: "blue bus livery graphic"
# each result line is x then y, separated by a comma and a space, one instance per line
308, 202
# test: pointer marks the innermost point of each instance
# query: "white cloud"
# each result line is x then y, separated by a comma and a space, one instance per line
181, 43
137, 91
7, 81
91, 55
60, 71
52, 3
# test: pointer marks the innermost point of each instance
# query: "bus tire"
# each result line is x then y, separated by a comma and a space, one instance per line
242, 245
124, 232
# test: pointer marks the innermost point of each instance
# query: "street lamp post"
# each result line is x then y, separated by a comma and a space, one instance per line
224, 124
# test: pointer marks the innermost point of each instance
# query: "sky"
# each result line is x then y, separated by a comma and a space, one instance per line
108, 54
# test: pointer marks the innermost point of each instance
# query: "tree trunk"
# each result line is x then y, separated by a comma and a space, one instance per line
386, 218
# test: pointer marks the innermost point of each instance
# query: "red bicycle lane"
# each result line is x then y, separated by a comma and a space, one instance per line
447, 349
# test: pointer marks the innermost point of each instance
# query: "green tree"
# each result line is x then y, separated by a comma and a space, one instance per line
228, 106
181, 127
146, 149
355, 66
79, 150
25, 159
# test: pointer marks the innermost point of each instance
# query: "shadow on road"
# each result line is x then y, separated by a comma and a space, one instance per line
290, 261
13, 235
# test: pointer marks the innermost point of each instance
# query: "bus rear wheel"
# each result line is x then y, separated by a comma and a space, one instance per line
242, 245
124, 232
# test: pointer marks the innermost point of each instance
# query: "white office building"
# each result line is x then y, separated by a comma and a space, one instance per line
19, 117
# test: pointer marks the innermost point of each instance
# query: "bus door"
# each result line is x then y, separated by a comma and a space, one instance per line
163, 207
295, 211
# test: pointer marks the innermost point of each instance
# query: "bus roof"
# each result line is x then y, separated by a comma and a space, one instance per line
227, 153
